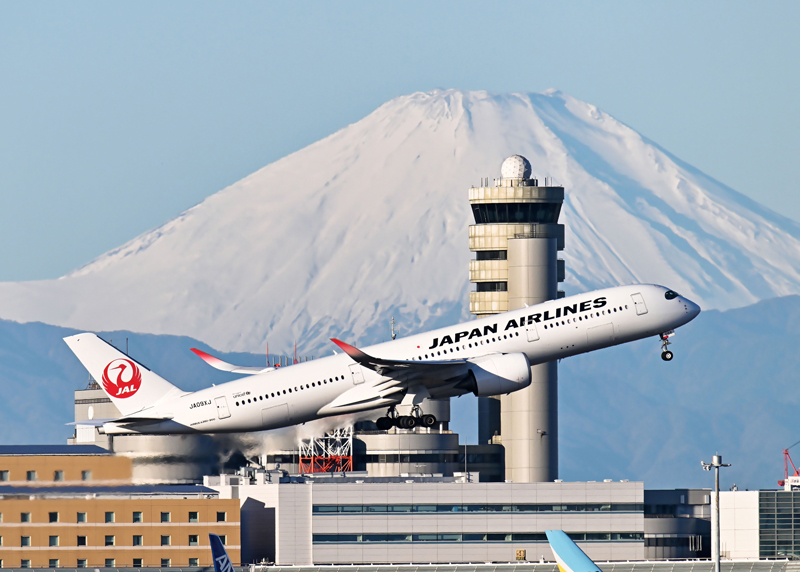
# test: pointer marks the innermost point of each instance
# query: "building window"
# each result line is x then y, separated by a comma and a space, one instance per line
137, 516
3, 475
137, 539
165, 517
109, 517
53, 541
221, 517
166, 562
81, 517
193, 517
109, 540
137, 563
24, 540
1, 517
1, 544
58, 476
86, 475
110, 563
81, 541
81, 563
52, 516
223, 539
53, 563
24, 517
491, 286
193, 540
24, 563
165, 540
30, 476
194, 562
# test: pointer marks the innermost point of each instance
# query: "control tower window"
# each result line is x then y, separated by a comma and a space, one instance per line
492, 286
491, 255
542, 213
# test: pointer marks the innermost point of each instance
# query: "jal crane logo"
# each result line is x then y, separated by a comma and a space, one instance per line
122, 378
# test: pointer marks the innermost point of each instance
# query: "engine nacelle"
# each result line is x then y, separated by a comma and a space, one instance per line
498, 374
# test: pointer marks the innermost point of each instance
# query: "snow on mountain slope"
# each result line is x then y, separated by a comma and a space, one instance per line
372, 221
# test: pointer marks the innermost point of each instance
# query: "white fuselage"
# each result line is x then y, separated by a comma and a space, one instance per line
544, 332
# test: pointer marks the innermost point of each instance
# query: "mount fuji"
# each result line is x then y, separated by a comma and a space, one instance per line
372, 222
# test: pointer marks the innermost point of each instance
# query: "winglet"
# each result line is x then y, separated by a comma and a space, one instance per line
217, 363
211, 360
353, 352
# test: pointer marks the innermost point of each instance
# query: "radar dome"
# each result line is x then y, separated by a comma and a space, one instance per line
516, 167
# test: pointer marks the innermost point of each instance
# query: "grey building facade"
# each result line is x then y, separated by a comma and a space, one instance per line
351, 520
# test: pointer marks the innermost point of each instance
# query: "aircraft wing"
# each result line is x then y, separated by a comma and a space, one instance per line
411, 371
217, 363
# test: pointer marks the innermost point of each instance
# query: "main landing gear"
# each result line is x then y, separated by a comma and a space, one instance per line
666, 355
416, 419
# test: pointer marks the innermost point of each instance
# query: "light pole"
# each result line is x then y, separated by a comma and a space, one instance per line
716, 463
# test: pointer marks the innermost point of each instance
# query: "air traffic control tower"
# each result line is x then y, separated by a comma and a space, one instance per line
516, 238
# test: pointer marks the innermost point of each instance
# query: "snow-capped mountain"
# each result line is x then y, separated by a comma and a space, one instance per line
372, 222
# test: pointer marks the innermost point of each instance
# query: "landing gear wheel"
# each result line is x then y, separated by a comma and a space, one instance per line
406, 422
384, 423
427, 420
666, 355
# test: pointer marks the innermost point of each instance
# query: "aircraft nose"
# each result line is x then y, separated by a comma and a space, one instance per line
693, 309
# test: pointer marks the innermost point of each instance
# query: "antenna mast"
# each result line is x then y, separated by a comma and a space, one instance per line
394, 335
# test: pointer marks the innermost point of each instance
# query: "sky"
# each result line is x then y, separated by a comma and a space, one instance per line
115, 117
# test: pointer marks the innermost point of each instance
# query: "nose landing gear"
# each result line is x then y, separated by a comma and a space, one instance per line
666, 355
417, 418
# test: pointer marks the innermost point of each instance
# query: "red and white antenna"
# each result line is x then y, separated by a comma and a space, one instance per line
787, 460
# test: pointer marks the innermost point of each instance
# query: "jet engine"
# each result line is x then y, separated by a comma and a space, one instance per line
497, 374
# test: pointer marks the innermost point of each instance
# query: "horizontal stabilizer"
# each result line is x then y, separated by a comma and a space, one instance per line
128, 419
217, 363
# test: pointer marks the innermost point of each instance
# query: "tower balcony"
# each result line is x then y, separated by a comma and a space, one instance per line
488, 302
495, 236
516, 194
488, 270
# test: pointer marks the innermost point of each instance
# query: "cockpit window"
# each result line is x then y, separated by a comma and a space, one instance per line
670, 294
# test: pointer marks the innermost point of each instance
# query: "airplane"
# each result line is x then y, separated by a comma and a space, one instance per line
222, 562
487, 356
569, 557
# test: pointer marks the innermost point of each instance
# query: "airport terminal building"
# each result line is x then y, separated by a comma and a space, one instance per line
357, 519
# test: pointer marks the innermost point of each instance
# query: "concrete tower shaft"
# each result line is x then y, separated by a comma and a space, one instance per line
516, 238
